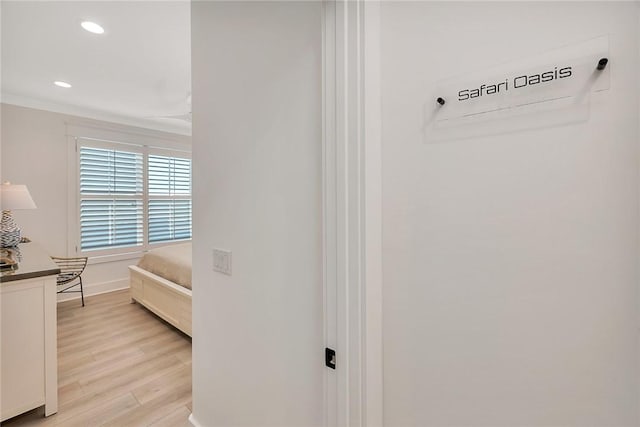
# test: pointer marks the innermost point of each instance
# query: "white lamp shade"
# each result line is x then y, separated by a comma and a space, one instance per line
15, 197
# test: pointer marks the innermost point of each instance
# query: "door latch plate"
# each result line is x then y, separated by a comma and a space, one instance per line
330, 358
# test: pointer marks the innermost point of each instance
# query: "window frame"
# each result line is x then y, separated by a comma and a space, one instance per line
124, 252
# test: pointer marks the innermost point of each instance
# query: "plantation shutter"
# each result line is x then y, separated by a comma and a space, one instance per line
111, 198
169, 206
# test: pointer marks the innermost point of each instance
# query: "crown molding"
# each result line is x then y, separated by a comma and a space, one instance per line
74, 110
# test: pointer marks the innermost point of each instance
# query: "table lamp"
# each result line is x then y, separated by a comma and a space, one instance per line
12, 197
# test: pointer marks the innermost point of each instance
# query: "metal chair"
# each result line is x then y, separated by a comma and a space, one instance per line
70, 272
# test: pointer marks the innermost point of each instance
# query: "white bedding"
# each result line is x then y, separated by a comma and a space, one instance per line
170, 262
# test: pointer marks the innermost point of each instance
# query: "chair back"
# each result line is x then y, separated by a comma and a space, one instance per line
70, 268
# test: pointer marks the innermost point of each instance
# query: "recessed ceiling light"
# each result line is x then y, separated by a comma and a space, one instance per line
62, 84
92, 27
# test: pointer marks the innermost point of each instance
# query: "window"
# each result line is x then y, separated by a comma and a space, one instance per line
131, 197
169, 198
111, 198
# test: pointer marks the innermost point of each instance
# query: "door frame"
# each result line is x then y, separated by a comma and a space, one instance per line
352, 214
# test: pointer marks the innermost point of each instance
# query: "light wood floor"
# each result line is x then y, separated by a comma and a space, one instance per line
118, 365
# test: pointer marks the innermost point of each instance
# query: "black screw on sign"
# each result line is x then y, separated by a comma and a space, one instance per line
602, 64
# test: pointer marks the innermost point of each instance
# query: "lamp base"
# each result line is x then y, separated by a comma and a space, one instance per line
9, 231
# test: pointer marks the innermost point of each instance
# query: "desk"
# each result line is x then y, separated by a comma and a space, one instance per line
29, 371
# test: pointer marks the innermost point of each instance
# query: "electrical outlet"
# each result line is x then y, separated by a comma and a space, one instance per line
222, 261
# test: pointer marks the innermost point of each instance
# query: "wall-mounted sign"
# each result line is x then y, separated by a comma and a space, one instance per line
558, 80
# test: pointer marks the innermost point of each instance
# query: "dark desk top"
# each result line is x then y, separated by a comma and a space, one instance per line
33, 261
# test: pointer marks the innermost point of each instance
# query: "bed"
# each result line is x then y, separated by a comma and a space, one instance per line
162, 283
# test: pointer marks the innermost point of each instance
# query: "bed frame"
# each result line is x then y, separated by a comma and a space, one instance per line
166, 299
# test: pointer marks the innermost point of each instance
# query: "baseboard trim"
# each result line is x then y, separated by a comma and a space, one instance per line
97, 289
193, 422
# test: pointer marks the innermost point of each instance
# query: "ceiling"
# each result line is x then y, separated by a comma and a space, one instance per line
138, 70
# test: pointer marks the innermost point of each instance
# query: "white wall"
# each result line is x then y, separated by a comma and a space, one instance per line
35, 152
258, 354
510, 261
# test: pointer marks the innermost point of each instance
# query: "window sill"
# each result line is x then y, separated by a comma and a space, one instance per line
100, 259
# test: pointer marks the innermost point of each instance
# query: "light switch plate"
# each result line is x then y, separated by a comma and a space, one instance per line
222, 261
